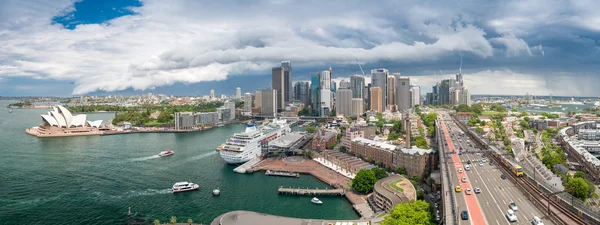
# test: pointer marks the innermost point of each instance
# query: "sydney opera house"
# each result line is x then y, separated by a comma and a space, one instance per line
60, 122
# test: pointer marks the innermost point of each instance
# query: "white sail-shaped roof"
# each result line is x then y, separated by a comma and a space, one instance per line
78, 120
95, 123
59, 118
50, 120
67, 115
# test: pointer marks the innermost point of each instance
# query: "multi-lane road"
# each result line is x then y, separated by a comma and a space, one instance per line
491, 205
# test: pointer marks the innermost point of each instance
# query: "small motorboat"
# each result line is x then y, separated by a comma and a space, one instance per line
316, 201
184, 186
166, 153
216, 191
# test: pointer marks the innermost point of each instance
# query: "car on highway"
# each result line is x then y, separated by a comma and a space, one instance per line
460, 170
437, 217
464, 180
464, 215
503, 177
477, 190
483, 160
457, 189
468, 191
467, 167
480, 163
511, 216
513, 206
537, 221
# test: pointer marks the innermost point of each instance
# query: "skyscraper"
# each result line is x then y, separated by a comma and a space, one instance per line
302, 92
379, 79
357, 84
403, 92
231, 107
238, 93
444, 92
358, 105
212, 94
415, 95
343, 102
248, 102
287, 80
391, 91
325, 92
258, 99
315, 97
367, 95
344, 84
376, 96
278, 83
268, 102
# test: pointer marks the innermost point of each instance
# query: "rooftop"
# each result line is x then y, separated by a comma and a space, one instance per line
287, 140
252, 218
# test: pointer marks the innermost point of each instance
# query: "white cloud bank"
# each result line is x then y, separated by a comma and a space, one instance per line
191, 41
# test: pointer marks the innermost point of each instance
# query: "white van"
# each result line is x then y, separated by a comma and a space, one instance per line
467, 167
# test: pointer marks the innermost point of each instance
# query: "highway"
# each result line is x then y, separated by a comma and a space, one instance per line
496, 193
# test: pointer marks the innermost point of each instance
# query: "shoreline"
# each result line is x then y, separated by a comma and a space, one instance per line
94, 132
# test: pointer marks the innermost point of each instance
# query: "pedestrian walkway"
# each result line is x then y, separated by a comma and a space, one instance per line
335, 167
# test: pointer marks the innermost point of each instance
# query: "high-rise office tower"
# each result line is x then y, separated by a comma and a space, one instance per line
278, 83
268, 102
403, 92
325, 92
302, 92
358, 105
444, 92
333, 86
231, 106
376, 96
344, 84
391, 91
287, 80
367, 95
315, 97
248, 102
415, 95
343, 102
238, 93
258, 99
212, 94
465, 96
357, 85
379, 79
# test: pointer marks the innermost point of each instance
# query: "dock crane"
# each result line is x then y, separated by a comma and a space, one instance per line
361, 69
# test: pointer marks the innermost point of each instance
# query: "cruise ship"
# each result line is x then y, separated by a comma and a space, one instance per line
242, 147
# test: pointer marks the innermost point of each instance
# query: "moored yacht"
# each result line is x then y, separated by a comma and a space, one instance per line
166, 153
316, 201
184, 186
242, 147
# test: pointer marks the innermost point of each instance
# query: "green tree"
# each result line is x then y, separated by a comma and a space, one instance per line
420, 194
506, 141
401, 170
579, 174
379, 124
416, 178
477, 109
409, 213
303, 112
463, 108
156, 222
527, 119
190, 221
380, 173
397, 126
478, 129
364, 181
524, 124
173, 220
164, 117
393, 136
342, 148
578, 187
421, 142
310, 129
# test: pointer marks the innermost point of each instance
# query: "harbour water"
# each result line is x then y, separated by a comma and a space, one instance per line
94, 179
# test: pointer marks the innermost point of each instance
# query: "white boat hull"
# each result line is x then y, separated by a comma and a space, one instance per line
194, 188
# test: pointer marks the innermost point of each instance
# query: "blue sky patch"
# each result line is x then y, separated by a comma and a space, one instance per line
96, 11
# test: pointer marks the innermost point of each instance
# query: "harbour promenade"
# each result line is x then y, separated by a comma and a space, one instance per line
327, 175
253, 218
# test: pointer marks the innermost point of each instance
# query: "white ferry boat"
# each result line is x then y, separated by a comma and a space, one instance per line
243, 147
184, 186
166, 153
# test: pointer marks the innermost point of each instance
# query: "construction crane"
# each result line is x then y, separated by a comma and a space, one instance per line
361, 70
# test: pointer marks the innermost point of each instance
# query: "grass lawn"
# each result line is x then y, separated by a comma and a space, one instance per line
393, 185
489, 113
153, 123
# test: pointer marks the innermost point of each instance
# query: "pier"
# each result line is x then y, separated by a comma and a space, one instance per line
282, 173
244, 168
312, 192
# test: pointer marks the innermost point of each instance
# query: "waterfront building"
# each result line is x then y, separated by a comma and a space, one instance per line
126, 126
386, 196
343, 102
302, 92
325, 92
376, 96
349, 135
231, 106
357, 85
357, 107
391, 89
315, 97
258, 99
379, 79
224, 113
415, 95
248, 102
278, 84
589, 134
60, 122
416, 161
212, 94
207, 118
322, 139
238, 93
403, 93
268, 102
184, 120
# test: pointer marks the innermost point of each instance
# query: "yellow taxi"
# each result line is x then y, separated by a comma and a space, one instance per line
457, 189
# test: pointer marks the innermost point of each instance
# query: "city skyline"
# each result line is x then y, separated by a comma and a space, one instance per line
500, 56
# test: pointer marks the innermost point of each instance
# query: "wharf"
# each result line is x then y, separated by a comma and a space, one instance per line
245, 168
282, 173
306, 191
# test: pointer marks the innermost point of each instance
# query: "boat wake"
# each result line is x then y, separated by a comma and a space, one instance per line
201, 156
130, 194
144, 158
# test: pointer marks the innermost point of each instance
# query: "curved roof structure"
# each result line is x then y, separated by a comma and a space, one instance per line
95, 123
61, 117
